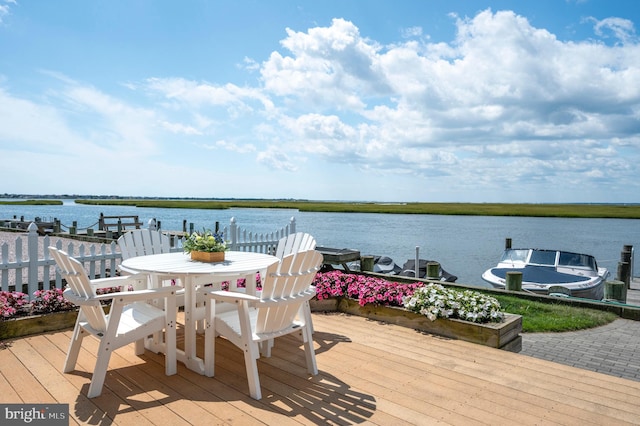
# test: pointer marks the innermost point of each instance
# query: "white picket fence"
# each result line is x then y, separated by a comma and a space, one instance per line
30, 270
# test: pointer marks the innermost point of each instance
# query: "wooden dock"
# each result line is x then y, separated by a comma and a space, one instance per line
370, 373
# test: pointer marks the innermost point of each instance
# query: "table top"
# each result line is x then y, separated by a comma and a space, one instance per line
235, 262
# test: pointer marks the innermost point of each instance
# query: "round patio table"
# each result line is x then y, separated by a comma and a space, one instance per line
191, 273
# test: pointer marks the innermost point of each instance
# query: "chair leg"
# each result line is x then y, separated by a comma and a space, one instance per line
100, 370
170, 357
251, 365
139, 347
74, 349
209, 340
265, 348
309, 350
307, 316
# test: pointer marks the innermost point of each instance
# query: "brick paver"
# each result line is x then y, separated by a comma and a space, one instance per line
612, 349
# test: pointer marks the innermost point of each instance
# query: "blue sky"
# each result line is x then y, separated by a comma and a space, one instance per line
406, 100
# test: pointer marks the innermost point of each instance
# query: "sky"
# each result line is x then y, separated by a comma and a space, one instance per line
390, 101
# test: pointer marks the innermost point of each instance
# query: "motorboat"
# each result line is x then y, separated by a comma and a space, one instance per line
554, 272
386, 265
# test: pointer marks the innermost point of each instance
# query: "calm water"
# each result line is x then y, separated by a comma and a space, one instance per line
464, 245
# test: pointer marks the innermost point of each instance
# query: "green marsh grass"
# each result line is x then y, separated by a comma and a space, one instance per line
539, 317
618, 211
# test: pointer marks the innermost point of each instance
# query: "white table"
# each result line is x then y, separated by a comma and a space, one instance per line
191, 273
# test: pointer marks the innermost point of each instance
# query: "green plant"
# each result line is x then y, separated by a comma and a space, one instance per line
206, 241
538, 317
436, 301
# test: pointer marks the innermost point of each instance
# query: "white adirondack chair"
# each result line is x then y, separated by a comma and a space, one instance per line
142, 242
294, 243
130, 317
259, 319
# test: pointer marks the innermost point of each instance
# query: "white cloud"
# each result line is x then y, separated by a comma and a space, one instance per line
180, 128
502, 83
277, 159
231, 146
622, 29
5, 9
411, 32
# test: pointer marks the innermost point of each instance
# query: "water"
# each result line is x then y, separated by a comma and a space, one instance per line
464, 245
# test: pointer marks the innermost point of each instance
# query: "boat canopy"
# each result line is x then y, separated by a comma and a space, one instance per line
550, 258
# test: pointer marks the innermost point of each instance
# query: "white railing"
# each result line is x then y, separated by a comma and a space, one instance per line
243, 240
100, 260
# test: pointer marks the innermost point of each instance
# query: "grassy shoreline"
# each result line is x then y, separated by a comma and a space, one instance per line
610, 211
32, 203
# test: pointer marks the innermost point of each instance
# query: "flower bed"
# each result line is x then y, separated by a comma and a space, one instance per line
465, 315
430, 299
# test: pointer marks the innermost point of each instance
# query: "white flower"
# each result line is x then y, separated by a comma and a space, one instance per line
436, 301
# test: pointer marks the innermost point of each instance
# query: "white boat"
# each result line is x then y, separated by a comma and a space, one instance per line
551, 272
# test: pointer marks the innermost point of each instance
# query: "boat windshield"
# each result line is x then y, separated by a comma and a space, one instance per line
543, 257
576, 259
515, 255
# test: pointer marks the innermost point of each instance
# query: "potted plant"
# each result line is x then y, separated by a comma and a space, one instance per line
206, 246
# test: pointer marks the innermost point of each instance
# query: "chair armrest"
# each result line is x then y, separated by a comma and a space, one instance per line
230, 296
132, 296
69, 295
117, 281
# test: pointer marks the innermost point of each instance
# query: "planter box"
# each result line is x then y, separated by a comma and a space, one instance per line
504, 335
209, 257
24, 326
324, 305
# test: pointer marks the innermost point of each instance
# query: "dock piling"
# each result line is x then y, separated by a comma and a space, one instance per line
514, 281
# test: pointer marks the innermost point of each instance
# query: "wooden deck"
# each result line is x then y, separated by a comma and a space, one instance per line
370, 373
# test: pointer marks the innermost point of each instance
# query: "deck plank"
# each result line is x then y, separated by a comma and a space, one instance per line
370, 373
540, 387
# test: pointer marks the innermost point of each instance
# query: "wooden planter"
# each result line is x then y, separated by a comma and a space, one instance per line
34, 324
504, 335
209, 257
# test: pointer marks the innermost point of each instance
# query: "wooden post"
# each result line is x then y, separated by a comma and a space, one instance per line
119, 226
72, 230
366, 263
56, 226
184, 226
514, 281
89, 232
624, 273
101, 222
433, 271
507, 243
626, 257
615, 290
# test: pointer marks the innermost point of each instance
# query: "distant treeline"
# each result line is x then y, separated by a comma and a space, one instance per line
618, 211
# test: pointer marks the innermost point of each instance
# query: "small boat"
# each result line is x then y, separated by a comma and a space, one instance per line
553, 272
386, 265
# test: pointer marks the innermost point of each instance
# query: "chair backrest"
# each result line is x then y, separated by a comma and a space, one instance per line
294, 243
78, 281
286, 287
142, 242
